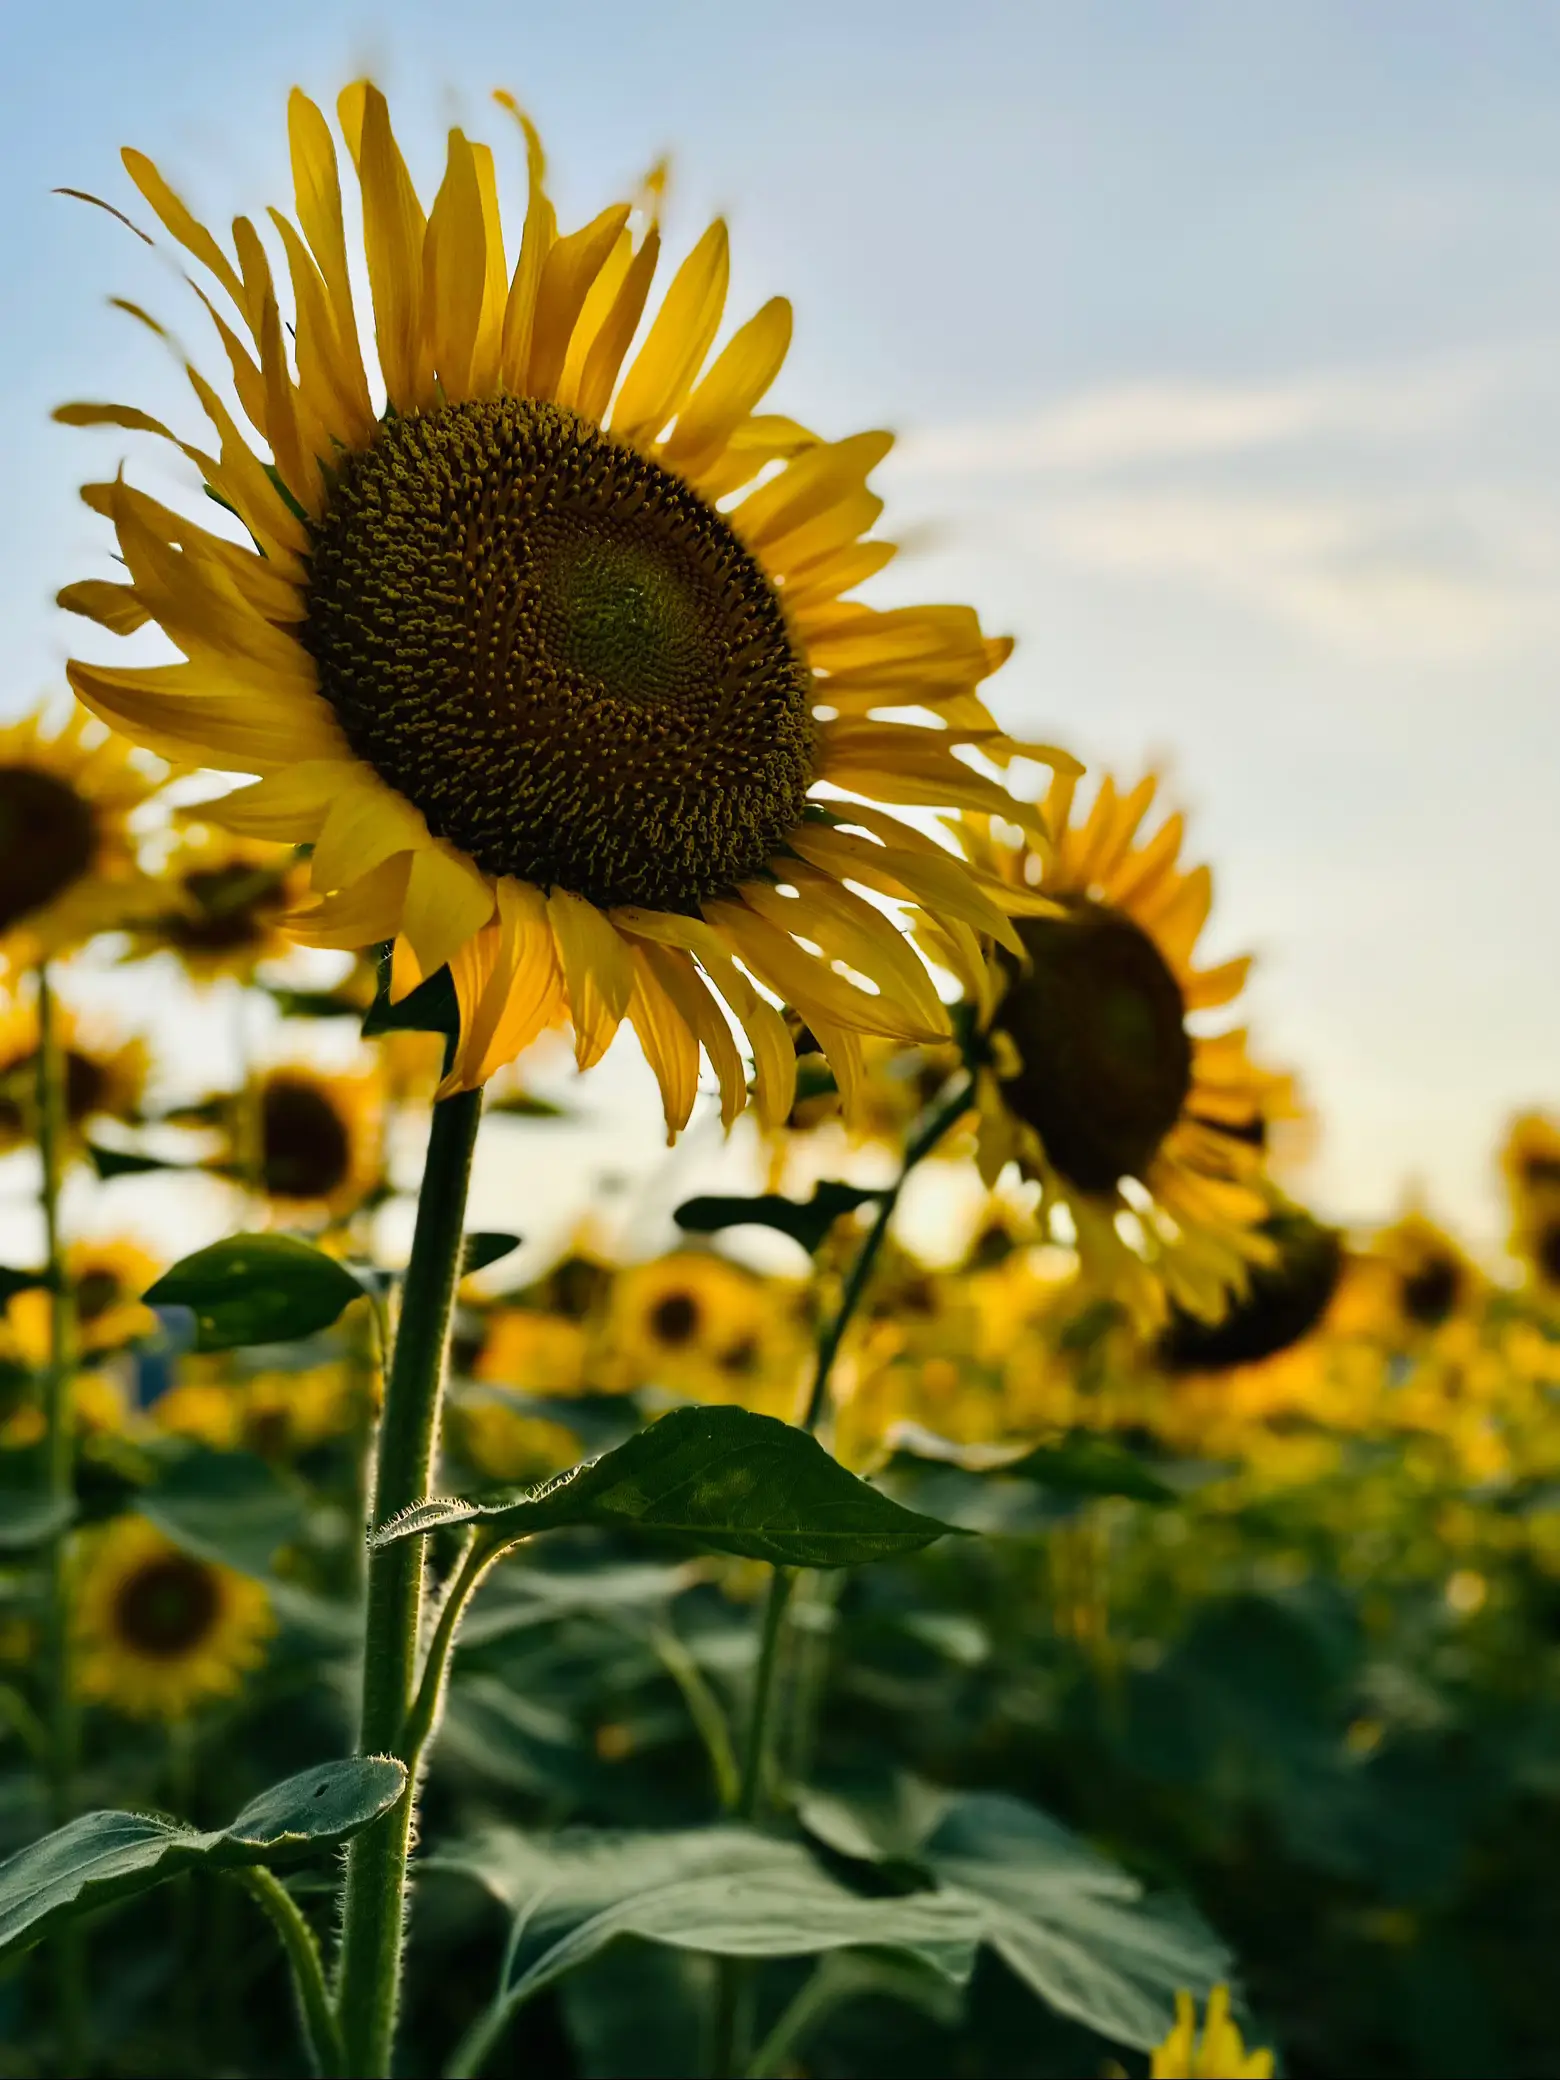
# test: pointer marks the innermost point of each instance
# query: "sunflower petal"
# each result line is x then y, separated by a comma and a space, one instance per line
678, 976
669, 1046
684, 329
737, 379
393, 232
447, 899
165, 708
363, 915
114, 607
597, 972
567, 274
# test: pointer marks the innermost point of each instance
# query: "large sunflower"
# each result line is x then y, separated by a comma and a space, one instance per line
548, 654
1148, 1132
68, 865
160, 1632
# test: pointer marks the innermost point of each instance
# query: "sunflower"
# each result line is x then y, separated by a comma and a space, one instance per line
537, 1352
1090, 1075
507, 1442
548, 656
68, 866
696, 1324
1413, 1279
107, 1278
225, 897
1530, 1160
160, 1632
105, 1078
1216, 2052
319, 1139
896, 1084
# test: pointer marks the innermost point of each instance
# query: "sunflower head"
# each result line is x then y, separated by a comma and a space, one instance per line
1530, 1160
68, 864
1413, 1280
548, 655
696, 1324
1285, 1299
107, 1278
159, 1632
318, 1137
1095, 1074
228, 897
104, 1076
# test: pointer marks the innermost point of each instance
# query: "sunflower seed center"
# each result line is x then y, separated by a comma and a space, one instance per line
47, 838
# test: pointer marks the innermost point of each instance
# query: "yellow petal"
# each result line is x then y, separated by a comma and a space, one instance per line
597, 972
367, 822
289, 805
612, 341
455, 270
678, 976
485, 359
163, 708
567, 274
541, 229
740, 374
363, 915
683, 331
193, 236
317, 197
508, 985
447, 899
114, 607
819, 478
670, 1048
782, 966
851, 930
393, 230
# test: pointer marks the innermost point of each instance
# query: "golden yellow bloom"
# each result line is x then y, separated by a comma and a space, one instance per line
159, 1632
508, 1443
107, 1279
547, 655
320, 1147
1414, 1278
697, 1324
896, 1084
536, 1352
1098, 1086
285, 1413
205, 1411
1530, 1160
68, 866
1217, 2054
105, 1078
224, 900
99, 1407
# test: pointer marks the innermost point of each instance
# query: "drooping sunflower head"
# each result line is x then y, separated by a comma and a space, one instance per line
1285, 1300
1413, 1280
319, 1138
68, 860
104, 1075
1097, 1076
159, 1632
226, 897
548, 653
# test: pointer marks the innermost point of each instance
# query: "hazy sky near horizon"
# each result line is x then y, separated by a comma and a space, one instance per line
1224, 344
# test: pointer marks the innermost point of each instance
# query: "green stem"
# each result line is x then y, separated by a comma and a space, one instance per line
705, 1710
423, 1716
326, 2050
68, 1951
934, 1127
374, 1902
734, 1985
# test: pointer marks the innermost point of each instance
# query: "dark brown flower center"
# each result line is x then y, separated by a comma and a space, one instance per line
674, 1319
168, 1607
1540, 1173
230, 908
1098, 1022
306, 1147
1430, 1291
48, 835
560, 654
96, 1293
1547, 1252
1283, 1302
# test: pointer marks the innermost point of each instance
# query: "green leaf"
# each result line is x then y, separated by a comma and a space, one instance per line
808, 1224
124, 1162
14, 1282
256, 1289
28, 1518
227, 1507
486, 1247
430, 1008
314, 1003
104, 1857
1072, 1925
723, 1891
1081, 1464
730, 1481
526, 1105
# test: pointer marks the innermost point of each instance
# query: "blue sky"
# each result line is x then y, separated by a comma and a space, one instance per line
1223, 344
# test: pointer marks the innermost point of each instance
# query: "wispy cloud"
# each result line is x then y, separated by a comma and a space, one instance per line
1125, 425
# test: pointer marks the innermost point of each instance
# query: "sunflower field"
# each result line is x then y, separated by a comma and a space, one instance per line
1119, 1639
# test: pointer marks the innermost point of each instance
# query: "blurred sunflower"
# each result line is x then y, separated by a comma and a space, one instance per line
206, 1411
1094, 1083
107, 1278
159, 1632
104, 1079
283, 1414
506, 1442
1216, 2052
1530, 1160
1414, 1278
319, 1139
1285, 1298
225, 897
698, 1324
895, 1085
539, 1353
544, 694
68, 866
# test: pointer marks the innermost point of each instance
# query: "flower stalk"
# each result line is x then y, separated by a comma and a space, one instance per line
374, 1902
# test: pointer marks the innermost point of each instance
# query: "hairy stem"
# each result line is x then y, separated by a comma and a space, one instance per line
374, 1907
321, 2032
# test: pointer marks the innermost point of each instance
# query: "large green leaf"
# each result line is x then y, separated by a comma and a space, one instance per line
723, 1891
108, 1856
1081, 1464
807, 1224
257, 1289
730, 1481
28, 1517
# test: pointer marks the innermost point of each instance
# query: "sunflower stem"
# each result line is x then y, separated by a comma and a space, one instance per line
933, 1127
374, 1900
68, 1952
734, 1988
321, 2031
